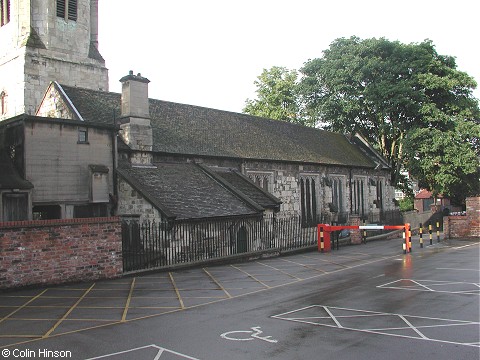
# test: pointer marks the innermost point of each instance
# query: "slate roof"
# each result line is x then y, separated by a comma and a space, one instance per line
194, 130
9, 177
248, 188
185, 191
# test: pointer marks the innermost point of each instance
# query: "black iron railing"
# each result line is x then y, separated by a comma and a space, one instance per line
151, 245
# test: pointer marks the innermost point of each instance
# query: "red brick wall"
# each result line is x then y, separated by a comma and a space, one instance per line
59, 251
464, 226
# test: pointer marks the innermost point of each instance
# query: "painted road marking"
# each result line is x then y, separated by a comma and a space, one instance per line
129, 299
457, 269
47, 334
405, 326
182, 306
250, 276
434, 286
104, 293
143, 350
254, 333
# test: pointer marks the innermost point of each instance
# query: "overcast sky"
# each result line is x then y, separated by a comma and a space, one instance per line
209, 52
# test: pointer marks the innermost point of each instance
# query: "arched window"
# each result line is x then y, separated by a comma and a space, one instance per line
308, 201
359, 196
4, 12
67, 9
3, 103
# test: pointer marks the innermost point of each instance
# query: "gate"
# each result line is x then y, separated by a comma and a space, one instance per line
324, 233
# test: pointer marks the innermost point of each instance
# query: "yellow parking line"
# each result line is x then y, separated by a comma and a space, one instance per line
20, 336
47, 334
217, 283
279, 270
129, 298
251, 276
328, 261
21, 307
182, 306
305, 266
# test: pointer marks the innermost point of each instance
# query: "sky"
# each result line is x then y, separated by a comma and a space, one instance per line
210, 52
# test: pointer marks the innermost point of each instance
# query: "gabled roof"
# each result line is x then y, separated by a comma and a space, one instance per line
425, 194
245, 186
194, 130
186, 191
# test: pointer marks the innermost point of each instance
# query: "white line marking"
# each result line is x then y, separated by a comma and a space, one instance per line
458, 269
412, 327
420, 336
415, 282
160, 352
464, 246
333, 317
430, 285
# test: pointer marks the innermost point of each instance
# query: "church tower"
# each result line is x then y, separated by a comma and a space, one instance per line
43, 41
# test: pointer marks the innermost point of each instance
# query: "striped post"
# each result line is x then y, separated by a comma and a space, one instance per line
404, 240
438, 231
430, 233
364, 234
420, 231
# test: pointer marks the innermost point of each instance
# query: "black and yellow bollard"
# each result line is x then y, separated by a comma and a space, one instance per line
420, 232
430, 233
364, 234
438, 231
404, 241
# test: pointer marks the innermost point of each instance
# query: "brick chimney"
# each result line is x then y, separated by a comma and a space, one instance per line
135, 127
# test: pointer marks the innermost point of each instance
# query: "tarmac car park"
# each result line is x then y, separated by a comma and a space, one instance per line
366, 301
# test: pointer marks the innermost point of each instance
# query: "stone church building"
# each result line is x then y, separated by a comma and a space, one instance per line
71, 148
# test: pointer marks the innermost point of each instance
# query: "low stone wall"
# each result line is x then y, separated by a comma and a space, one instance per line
414, 218
59, 251
464, 226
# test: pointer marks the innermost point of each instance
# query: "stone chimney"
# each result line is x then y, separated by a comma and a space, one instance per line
135, 127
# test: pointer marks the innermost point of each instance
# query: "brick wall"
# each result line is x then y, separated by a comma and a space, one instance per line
59, 251
464, 226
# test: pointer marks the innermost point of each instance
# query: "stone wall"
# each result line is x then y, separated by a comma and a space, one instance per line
59, 251
132, 203
464, 226
39, 47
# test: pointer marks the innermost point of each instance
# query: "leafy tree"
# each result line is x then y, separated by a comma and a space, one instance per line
384, 90
446, 160
277, 96
406, 204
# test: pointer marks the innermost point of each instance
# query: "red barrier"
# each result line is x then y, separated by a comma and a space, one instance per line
324, 232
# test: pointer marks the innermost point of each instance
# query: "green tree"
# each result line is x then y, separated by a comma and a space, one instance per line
384, 90
277, 96
446, 161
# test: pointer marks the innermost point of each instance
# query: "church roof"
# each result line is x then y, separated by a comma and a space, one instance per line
187, 191
246, 187
193, 130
